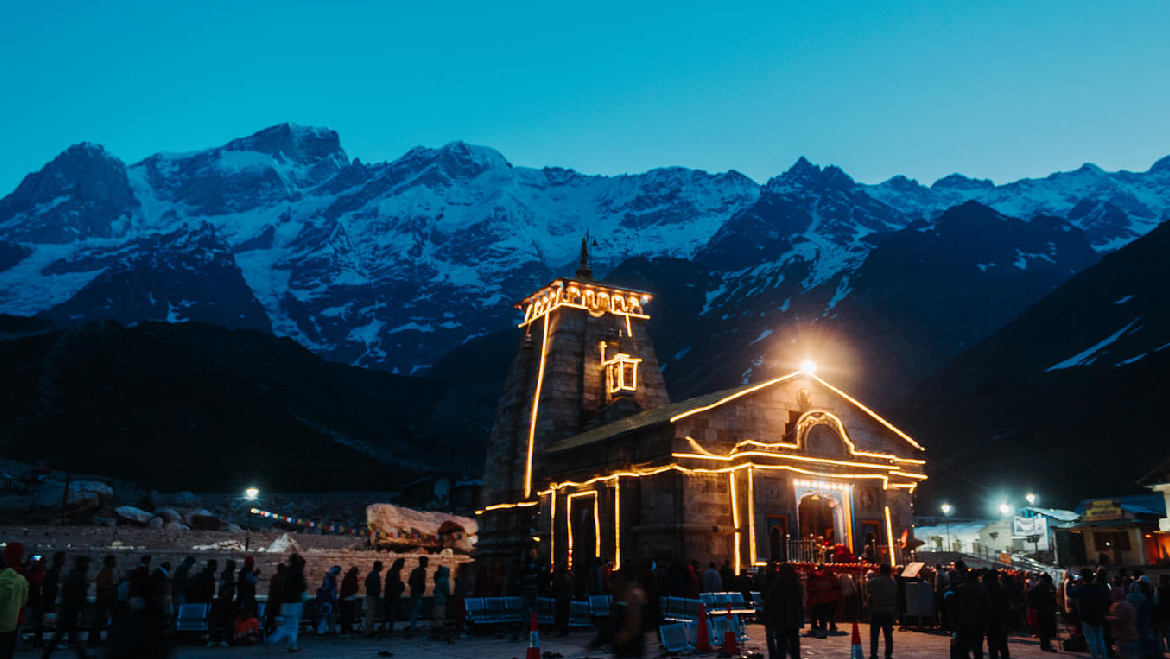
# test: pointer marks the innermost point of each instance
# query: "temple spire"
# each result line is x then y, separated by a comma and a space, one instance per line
583, 271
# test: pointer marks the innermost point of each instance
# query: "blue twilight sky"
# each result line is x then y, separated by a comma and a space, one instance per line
990, 89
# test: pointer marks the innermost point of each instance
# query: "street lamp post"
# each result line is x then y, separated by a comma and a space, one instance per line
250, 494
946, 508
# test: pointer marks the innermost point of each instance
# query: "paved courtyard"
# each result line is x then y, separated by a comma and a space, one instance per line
907, 645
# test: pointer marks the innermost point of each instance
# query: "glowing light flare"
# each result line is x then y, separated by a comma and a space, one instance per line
890, 538
1005, 509
1031, 498
734, 518
787, 456
815, 417
552, 535
252, 493
503, 506
946, 508
535, 409
596, 522
617, 524
621, 371
870, 412
738, 394
594, 299
808, 366
751, 530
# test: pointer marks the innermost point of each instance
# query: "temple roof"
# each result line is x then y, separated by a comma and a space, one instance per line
1159, 475
674, 411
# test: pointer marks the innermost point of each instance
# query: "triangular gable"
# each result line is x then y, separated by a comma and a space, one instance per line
787, 378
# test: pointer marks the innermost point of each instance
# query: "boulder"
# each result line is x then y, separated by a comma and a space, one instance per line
176, 526
202, 520
186, 500
104, 521
156, 523
428, 529
83, 497
132, 514
169, 514
233, 528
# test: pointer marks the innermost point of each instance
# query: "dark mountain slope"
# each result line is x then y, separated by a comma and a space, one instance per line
189, 405
1075, 384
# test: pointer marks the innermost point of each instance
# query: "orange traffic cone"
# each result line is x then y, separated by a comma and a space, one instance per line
533, 639
730, 643
702, 641
855, 652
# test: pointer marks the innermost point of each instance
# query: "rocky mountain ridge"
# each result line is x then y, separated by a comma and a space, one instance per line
393, 265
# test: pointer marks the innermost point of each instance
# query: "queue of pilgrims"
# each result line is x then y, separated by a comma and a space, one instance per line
1124, 615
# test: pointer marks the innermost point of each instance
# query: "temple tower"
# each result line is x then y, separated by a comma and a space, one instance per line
584, 359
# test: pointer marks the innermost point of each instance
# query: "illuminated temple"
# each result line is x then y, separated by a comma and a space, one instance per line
590, 458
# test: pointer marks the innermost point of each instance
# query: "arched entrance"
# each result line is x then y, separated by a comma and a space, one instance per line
817, 519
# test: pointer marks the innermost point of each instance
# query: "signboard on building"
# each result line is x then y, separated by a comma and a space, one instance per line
1033, 531
1103, 509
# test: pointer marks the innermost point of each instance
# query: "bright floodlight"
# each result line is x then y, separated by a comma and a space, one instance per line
1031, 498
808, 366
946, 508
1004, 508
251, 493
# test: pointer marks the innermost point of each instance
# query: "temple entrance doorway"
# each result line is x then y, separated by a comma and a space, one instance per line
815, 514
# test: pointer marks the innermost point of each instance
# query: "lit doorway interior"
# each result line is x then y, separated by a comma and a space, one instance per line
817, 520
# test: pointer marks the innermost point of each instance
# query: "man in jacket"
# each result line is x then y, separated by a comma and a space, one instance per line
13, 595
73, 595
373, 599
393, 593
784, 614
418, 587
49, 591
883, 598
971, 615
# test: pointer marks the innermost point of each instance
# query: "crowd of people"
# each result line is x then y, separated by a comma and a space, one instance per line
1125, 614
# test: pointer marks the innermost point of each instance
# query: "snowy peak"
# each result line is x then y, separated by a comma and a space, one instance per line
960, 182
303, 145
457, 160
82, 193
804, 174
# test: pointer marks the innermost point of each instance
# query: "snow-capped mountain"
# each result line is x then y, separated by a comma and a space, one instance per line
392, 265
386, 265
1112, 208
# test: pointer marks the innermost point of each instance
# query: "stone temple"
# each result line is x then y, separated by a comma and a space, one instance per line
590, 459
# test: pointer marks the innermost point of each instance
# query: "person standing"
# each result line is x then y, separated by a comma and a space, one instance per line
442, 595
73, 595
564, 596
784, 614
275, 598
50, 588
418, 587
347, 597
292, 597
712, 579
883, 600
459, 593
180, 583
246, 587
105, 593
629, 604
971, 615
1092, 605
326, 610
1123, 624
394, 590
1042, 600
373, 600
1162, 611
14, 590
